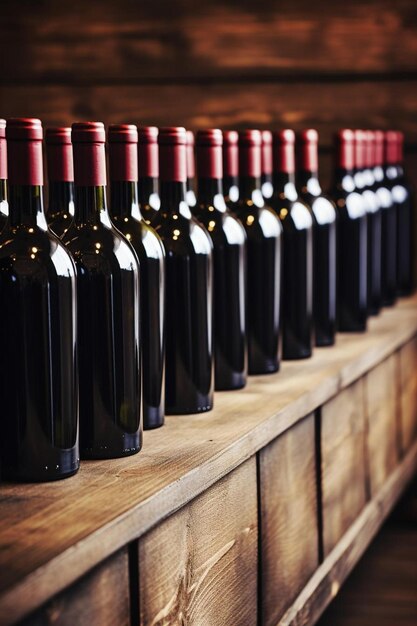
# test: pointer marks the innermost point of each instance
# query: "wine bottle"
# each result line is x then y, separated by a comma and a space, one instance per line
190, 194
352, 239
403, 195
189, 286
229, 239
230, 167
39, 439
4, 206
389, 224
126, 216
324, 238
108, 309
148, 172
264, 255
365, 183
60, 211
266, 165
297, 223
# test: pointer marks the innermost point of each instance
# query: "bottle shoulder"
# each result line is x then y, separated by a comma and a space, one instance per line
223, 226
183, 235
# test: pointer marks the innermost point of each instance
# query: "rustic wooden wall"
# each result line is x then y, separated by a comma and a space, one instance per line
226, 63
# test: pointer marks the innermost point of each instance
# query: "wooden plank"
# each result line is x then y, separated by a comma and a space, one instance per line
108, 504
382, 588
325, 106
382, 421
289, 531
101, 598
408, 378
200, 566
95, 41
343, 463
325, 584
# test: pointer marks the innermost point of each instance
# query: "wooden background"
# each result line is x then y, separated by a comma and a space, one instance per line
227, 63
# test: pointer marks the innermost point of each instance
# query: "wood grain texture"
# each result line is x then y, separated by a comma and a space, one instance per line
289, 530
325, 106
95, 41
382, 588
325, 584
382, 421
343, 463
101, 598
200, 566
408, 396
108, 504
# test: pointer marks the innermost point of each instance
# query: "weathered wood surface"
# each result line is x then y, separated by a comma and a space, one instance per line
101, 598
325, 584
288, 514
108, 504
231, 105
200, 566
130, 41
343, 462
408, 397
382, 402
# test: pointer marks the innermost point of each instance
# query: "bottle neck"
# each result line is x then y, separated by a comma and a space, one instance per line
173, 197
208, 189
308, 182
231, 188
147, 188
91, 206
282, 179
248, 185
26, 206
124, 199
3, 190
61, 197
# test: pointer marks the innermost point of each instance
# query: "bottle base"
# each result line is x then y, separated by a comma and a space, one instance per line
37, 478
325, 342
153, 417
297, 356
231, 382
267, 368
188, 410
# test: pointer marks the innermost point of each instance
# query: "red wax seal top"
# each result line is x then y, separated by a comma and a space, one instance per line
250, 142
400, 146
284, 153
24, 151
266, 152
88, 139
123, 152
345, 149
359, 143
390, 147
190, 155
369, 149
148, 152
230, 153
379, 147
172, 154
59, 154
3, 150
308, 150
209, 153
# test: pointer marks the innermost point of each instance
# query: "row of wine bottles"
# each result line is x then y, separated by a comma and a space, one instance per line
177, 290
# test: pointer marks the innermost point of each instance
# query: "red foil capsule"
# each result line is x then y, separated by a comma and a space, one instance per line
59, 154
24, 151
190, 155
400, 146
88, 139
307, 144
172, 154
359, 143
390, 147
148, 153
3, 150
230, 153
345, 149
284, 152
369, 149
209, 145
266, 153
379, 147
123, 152
250, 153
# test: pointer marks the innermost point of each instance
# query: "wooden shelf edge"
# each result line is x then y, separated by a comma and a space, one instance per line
326, 582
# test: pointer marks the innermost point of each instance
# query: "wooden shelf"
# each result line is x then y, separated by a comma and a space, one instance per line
52, 534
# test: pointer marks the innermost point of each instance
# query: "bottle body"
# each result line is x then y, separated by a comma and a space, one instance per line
324, 259
403, 198
229, 264
150, 251
389, 222
108, 330
352, 255
38, 356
